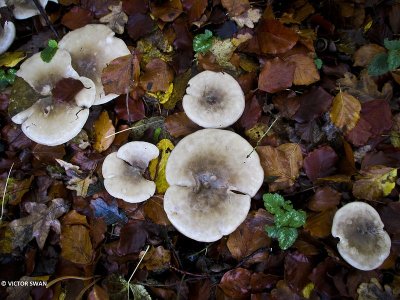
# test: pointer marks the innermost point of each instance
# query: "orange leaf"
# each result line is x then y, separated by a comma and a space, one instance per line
306, 71
274, 38
154, 210
103, 127
235, 7
319, 225
276, 75
345, 111
157, 76
364, 55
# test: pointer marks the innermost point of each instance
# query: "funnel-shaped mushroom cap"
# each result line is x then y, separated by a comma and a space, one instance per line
363, 242
7, 36
212, 180
92, 47
122, 172
46, 122
213, 100
23, 9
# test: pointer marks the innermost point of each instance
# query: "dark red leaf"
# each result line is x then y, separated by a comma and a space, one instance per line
131, 111
76, 18
388, 158
313, 104
236, 283
260, 281
251, 114
390, 217
297, 268
360, 134
131, 7
378, 114
320, 163
194, 8
139, 25
133, 236
66, 89
276, 75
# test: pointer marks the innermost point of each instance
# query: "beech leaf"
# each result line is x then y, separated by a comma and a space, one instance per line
276, 75
345, 111
306, 71
103, 132
66, 89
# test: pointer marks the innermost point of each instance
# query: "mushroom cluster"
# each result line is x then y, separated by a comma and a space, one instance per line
82, 55
212, 178
363, 242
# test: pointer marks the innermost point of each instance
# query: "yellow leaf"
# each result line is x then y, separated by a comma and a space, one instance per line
103, 132
375, 182
256, 132
162, 97
345, 111
157, 166
11, 59
307, 290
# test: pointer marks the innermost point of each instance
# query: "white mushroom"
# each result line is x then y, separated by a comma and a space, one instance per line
7, 36
92, 47
363, 242
23, 9
213, 100
46, 122
122, 172
212, 178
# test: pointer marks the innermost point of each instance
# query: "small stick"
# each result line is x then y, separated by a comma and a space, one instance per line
260, 139
137, 266
46, 18
4, 193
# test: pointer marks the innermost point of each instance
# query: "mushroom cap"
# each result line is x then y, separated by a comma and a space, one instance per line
363, 242
122, 172
212, 180
92, 47
24, 9
213, 100
49, 123
7, 36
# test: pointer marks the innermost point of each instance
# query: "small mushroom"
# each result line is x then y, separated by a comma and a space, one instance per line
212, 178
7, 36
213, 100
92, 47
122, 172
46, 122
23, 9
363, 242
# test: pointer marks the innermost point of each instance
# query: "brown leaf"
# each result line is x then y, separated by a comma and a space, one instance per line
287, 104
167, 11
130, 110
297, 268
360, 134
345, 111
156, 259
46, 155
75, 242
236, 283
283, 162
154, 210
251, 114
250, 235
16, 189
364, 54
132, 7
276, 75
283, 292
235, 7
306, 72
98, 293
66, 89
274, 38
179, 125
320, 163
313, 104
139, 25
319, 225
378, 114
157, 76
194, 8
324, 198
103, 128
77, 17
117, 77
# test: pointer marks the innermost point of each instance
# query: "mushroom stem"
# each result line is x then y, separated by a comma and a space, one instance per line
46, 18
7, 36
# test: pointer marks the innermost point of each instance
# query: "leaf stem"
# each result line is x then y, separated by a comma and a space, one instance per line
4, 193
137, 266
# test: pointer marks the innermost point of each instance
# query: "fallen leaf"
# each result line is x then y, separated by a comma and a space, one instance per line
236, 283
139, 25
75, 242
129, 109
157, 76
157, 165
116, 19
378, 114
297, 268
154, 210
153, 123
38, 223
363, 56
77, 17
81, 185
319, 225
156, 259
66, 89
345, 111
248, 18
98, 293
46, 155
16, 189
320, 163
11, 59
360, 134
313, 104
374, 182
109, 212
250, 235
167, 11
324, 198
179, 125
276, 75
133, 236
103, 132
283, 292
251, 114
283, 162
373, 290
306, 71
195, 9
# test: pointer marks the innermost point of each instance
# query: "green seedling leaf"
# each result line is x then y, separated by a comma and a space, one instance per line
203, 42
286, 236
318, 63
392, 45
48, 53
393, 59
379, 65
7, 77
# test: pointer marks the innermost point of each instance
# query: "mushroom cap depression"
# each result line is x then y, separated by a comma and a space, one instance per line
122, 172
46, 122
212, 179
7, 36
363, 242
92, 47
213, 100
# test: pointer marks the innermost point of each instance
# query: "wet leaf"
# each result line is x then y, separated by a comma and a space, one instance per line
375, 182
320, 163
66, 89
324, 198
345, 111
109, 212
276, 75
103, 132
236, 283
11, 59
157, 165
157, 76
38, 223
306, 72
48, 53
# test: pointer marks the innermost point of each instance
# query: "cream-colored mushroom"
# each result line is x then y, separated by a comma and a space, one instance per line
47, 122
213, 100
212, 178
7, 36
363, 242
92, 47
122, 172
23, 9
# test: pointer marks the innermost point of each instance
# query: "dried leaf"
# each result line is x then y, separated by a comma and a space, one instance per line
157, 76
320, 163
81, 185
77, 17
66, 89
324, 198
11, 59
179, 125
16, 189
130, 110
156, 259
306, 72
167, 11
319, 225
373, 290
116, 19
276, 75
109, 213
313, 104
154, 210
363, 56
38, 223
157, 165
103, 132
375, 182
345, 111
248, 18
139, 25
283, 162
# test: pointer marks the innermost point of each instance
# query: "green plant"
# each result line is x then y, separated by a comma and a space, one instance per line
48, 53
203, 42
286, 220
382, 63
7, 77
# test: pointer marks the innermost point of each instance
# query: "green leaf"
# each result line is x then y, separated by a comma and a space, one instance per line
203, 42
392, 45
318, 63
273, 203
292, 218
7, 78
48, 53
139, 292
378, 65
393, 59
286, 236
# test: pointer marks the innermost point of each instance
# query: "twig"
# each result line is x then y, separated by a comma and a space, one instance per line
4, 193
260, 139
51, 283
137, 266
46, 17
